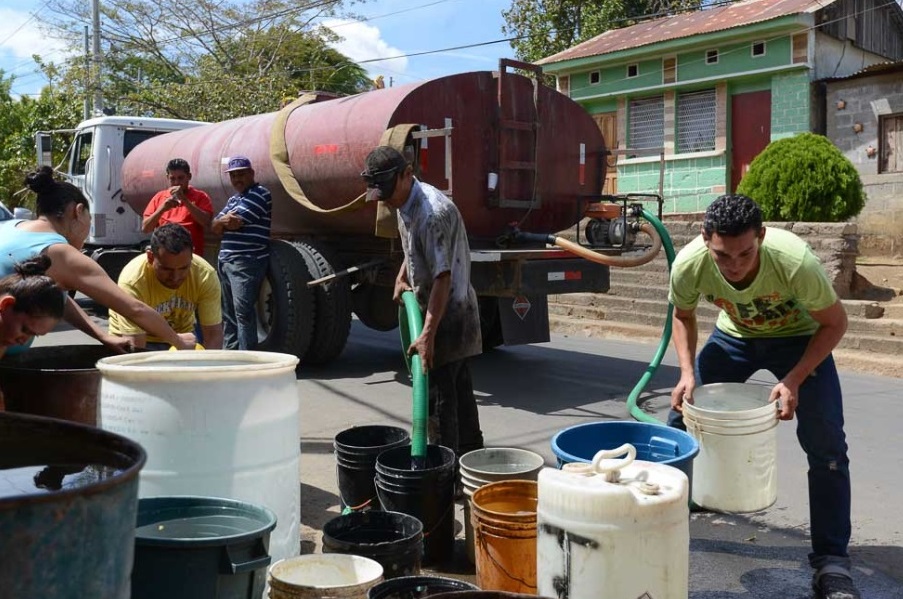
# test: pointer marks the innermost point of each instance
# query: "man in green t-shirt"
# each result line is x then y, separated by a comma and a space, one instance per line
779, 313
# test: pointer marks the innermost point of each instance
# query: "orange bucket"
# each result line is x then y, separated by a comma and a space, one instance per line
503, 515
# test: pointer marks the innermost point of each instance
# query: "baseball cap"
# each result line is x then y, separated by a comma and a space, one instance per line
383, 164
238, 163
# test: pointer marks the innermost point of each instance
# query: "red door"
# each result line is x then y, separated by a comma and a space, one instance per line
750, 131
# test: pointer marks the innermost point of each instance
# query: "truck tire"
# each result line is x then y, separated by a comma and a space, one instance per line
286, 306
333, 305
374, 306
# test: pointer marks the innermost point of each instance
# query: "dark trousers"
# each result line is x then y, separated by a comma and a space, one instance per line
726, 359
454, 420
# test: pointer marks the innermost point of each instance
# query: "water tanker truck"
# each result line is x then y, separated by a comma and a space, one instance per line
513, 154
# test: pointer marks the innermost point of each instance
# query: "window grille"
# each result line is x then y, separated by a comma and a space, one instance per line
594, 78
647, 123
711, 57
696, 121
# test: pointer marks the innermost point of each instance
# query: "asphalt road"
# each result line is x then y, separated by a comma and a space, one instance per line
528, 393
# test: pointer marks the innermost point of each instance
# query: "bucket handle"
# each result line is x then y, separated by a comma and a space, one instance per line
605, 462
484, 545
247, 566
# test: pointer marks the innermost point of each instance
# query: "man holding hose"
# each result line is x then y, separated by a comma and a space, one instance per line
437, 269
779, 313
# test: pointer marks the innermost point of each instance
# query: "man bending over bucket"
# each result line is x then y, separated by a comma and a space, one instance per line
779, 313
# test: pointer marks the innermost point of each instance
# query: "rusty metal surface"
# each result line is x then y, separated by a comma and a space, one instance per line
685, 25
73, 543
328, 142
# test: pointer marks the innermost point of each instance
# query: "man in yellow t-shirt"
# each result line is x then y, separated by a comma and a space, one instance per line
180, 285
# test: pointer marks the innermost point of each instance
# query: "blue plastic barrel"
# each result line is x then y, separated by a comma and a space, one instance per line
653, 442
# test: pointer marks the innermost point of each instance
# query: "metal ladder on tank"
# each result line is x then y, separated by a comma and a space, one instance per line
524, 165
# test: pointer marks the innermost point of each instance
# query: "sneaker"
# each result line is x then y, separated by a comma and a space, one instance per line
835, 586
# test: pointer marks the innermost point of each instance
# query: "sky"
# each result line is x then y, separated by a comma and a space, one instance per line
389, 28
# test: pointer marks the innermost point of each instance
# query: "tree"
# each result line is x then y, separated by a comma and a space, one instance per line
212, 60
546, 27
804, 178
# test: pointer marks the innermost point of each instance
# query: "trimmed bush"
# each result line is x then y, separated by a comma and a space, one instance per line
804, 178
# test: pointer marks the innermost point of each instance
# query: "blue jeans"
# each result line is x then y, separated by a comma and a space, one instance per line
240, 279
726, 359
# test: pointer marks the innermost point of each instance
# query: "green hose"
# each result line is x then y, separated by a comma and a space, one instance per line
410, 324
635, 411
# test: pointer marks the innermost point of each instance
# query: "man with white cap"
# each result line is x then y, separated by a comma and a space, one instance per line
244, 255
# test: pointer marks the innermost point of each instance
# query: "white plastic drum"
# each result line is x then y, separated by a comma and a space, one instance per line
604, 536
736, 427
213, 423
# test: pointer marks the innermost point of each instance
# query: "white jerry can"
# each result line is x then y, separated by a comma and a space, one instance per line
613, 529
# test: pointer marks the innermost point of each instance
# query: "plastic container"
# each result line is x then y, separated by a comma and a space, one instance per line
486, 595
653, 443
214, 423
414, 587
329, 576
736, 427
78, 540
492, 464
57, 382
619, 525
189, 547
356, 449
393, 539
504, 526
428, 495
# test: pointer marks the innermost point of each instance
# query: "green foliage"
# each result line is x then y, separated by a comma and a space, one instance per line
804, 178
546, 27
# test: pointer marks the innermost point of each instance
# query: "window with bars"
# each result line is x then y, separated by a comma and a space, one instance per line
646, 126
696, 121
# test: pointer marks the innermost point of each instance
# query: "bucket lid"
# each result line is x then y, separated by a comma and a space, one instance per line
723, 400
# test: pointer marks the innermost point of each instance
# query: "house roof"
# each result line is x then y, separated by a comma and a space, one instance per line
688, 24
881, 68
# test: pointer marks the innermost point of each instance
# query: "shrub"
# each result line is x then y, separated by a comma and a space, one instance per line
804, 178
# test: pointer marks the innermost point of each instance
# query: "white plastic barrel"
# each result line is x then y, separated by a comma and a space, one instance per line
736, 427
613, 528
213, 423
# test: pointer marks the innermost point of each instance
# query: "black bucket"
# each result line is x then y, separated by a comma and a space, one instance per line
68, 498
356, 449
487, 595
188, 547
394, 540
427, 494
58, 381
414, 587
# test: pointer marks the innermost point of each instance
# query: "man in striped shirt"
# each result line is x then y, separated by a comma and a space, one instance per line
244, 254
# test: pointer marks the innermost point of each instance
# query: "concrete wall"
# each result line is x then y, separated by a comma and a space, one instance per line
865, 100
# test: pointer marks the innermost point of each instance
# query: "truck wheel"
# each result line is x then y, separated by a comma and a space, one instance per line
333, 306
490, 323
286, 307
374, 306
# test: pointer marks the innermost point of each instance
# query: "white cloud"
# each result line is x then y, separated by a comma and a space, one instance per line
20, 38
361, 41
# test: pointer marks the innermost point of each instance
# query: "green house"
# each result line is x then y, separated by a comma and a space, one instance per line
686, 102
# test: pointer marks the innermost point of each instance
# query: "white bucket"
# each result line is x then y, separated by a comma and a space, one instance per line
213, 423
326, 576
488, 465
736, 427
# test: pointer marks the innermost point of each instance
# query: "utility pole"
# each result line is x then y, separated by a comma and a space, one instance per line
98, 59
86, 112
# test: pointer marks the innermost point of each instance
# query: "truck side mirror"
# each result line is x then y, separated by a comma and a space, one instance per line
42, 143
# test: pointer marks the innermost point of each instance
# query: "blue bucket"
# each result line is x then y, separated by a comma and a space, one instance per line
653, 442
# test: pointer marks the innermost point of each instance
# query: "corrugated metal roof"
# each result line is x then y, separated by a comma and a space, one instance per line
874, 69
686, 25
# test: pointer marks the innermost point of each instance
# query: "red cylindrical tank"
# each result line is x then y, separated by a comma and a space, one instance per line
328, 142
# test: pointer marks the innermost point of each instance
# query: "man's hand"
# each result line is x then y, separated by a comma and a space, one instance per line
121, 345
788, 394
400, 287
424, 346
683, 392
231, 221
187, 341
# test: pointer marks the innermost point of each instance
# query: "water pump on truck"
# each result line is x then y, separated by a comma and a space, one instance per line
507, 150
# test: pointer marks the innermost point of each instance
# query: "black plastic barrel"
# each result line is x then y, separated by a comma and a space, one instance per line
57, 381
356, 450
414, 587
393, 539
188, 547
427, 494
68, 500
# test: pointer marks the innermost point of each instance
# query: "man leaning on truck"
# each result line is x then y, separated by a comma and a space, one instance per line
180, 204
